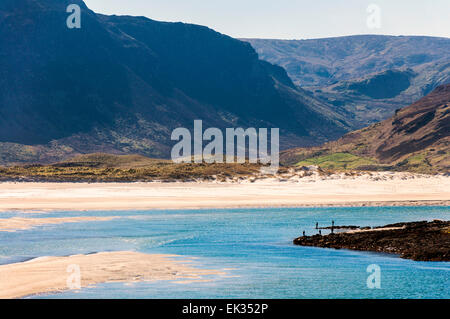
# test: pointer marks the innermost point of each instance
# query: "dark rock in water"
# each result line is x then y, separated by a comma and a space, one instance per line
422, 241
341, 227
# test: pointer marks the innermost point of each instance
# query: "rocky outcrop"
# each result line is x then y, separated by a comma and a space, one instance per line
422, 241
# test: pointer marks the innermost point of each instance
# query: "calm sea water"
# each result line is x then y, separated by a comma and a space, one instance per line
255, 243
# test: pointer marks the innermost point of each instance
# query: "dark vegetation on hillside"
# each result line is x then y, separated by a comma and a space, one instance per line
125, 168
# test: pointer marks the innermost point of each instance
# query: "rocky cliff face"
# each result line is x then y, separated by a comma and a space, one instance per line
122, 84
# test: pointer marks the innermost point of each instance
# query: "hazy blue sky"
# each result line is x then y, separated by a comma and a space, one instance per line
293, 19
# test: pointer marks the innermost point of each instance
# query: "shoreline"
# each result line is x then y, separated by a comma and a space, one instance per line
313, 192
424, 203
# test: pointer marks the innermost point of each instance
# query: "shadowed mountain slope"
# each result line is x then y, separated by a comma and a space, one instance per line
121, 85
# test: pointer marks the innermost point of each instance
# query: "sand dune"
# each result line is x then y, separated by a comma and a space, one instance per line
53, 274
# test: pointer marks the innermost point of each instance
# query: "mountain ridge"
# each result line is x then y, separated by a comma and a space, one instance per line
342, 70
121, 84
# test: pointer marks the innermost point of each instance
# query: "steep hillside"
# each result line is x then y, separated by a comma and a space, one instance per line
122, 84
416, 138
366, 77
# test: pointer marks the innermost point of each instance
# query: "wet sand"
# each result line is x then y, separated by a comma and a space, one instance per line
17, 223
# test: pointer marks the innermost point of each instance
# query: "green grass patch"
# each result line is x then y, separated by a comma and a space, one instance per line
418, 159
338, 161
418, 163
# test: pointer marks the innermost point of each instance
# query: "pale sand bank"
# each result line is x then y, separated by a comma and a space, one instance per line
17, 223
55, 274
373, 190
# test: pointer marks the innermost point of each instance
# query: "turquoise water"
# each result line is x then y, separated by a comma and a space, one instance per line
255, 243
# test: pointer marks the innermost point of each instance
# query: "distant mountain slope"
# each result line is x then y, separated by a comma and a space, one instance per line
416, 138
368, 76
122, 84
323, 62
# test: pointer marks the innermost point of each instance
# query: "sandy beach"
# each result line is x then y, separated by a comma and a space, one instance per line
51, 274
54, 274
376, 189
